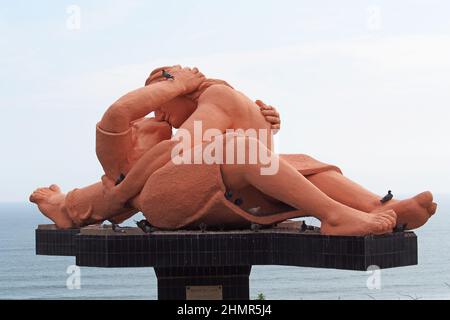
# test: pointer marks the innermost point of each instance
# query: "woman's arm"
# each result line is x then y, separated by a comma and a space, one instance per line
139, 103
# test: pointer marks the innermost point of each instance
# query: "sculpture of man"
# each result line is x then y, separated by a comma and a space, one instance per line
229, 195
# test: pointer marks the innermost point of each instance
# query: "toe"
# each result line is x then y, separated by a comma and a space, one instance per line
391, 214
55, 188
44, 192
391, 217
380, 225
432, 209
381, 228
425, 198
387, 225
36, 196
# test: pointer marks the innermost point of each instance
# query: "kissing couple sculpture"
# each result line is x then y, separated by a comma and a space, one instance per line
137, 154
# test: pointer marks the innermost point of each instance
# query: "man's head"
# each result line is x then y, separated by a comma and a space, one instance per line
176, 111
179, 109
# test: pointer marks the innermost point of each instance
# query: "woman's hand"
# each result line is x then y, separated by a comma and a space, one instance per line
271, 114
189, 79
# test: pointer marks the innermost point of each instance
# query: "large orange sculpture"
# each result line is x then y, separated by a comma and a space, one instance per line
137, 155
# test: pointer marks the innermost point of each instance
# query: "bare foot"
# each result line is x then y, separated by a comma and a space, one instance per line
351, 222
50, 202
413, 212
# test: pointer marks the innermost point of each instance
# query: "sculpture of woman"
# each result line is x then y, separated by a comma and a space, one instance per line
139, 151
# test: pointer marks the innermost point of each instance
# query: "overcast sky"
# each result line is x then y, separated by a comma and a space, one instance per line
364, 85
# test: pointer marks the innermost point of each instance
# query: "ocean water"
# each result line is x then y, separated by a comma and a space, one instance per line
23, 275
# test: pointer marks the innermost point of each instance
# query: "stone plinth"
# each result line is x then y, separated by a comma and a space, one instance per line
185, 261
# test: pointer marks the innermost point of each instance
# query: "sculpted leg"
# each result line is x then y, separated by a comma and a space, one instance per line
292, 188
78, 208
414, 212
345, 191
85, 206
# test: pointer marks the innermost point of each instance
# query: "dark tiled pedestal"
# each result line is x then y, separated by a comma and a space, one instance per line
218, 264
53, 242
227, 282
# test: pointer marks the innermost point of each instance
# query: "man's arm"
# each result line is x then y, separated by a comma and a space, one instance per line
211, 116
271, 114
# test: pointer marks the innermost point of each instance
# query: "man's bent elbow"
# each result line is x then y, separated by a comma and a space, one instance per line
115, 119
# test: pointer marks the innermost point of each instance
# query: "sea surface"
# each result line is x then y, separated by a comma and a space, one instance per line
24, 275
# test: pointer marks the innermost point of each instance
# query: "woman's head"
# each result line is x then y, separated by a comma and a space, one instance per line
176, 111
179, 109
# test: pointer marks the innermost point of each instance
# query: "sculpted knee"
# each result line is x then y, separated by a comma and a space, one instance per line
249, 150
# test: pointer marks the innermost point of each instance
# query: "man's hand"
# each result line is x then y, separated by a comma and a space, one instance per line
189, 79
271, 114
112, 196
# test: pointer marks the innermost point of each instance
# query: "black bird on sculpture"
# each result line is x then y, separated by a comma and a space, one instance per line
400, 228
304, 226
229, 195
145, 226
120, 179
167, 75
116, 228
255, 227
203, 227
387, 197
